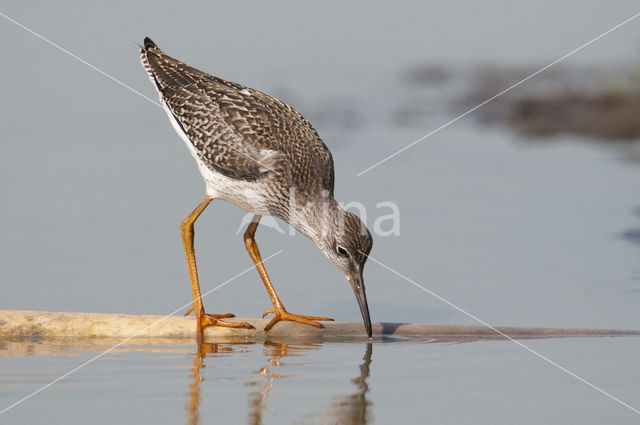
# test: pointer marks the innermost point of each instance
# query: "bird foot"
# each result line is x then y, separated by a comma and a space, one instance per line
285, 315
206, 320
215, 316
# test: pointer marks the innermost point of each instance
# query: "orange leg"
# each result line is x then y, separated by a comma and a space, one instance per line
278, 309
203, 319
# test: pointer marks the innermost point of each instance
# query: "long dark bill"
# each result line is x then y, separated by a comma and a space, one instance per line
357, 284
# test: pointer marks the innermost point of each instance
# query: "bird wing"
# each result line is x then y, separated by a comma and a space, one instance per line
236, 130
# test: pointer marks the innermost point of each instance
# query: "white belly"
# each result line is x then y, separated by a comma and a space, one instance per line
246, 195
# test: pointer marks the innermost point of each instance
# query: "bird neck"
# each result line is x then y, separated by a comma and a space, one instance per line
316, 220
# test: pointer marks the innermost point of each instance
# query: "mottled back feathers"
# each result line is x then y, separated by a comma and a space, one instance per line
238, 131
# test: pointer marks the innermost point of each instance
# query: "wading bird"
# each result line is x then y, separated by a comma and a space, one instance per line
264, 157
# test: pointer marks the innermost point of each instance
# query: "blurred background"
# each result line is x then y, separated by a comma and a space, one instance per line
525, 212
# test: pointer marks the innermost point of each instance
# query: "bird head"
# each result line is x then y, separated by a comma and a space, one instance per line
347, 243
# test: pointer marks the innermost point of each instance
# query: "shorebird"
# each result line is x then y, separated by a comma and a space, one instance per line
262, 156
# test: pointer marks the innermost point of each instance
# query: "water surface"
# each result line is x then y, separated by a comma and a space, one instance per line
454, 381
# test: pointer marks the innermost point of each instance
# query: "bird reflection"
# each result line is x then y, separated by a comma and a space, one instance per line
275, 353
349, 409
353, 408
203, 349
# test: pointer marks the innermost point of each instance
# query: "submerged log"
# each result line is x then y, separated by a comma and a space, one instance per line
40, 324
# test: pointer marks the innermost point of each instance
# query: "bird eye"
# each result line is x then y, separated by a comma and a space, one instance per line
343, 252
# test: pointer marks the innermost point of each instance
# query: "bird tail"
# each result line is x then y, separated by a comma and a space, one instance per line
149, 45
164, 70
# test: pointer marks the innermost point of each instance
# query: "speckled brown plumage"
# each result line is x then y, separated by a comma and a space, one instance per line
231, 126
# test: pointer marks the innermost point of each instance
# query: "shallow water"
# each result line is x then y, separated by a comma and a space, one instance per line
517, 231
480, 382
